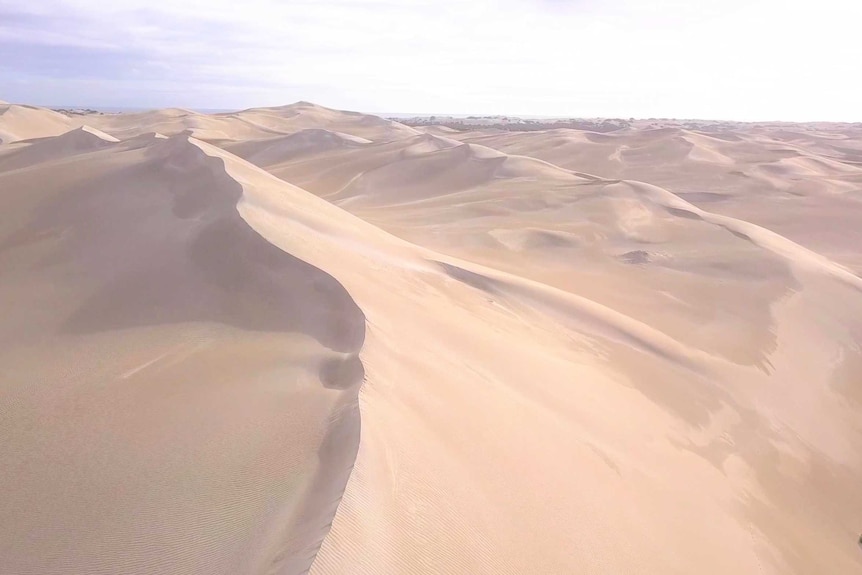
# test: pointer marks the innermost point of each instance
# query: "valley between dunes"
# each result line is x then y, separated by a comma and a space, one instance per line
296, 339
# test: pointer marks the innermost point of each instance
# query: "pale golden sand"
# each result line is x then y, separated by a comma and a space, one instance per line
293, 338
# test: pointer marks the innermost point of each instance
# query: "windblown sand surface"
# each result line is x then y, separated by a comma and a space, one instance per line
291, 339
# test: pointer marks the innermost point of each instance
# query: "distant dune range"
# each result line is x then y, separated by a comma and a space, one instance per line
294, 338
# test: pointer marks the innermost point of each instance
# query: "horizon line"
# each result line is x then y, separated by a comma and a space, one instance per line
409, 115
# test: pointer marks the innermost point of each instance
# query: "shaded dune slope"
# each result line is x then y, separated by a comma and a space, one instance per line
80, 140
154, 256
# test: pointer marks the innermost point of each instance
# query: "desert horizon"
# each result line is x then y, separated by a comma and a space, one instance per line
298, 339
425, 117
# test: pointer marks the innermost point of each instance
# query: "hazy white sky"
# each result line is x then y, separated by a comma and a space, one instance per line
733, 59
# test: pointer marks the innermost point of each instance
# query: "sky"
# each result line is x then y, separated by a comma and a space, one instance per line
788, 60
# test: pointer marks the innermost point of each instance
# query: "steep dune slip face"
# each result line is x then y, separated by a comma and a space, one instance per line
178, 394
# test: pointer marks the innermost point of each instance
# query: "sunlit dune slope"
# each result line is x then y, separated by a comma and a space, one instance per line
801, 181
25, 122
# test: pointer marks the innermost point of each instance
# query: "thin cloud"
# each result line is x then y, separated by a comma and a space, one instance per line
732, 59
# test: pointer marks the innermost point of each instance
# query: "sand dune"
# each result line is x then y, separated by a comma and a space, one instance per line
26, 122
177, 120
744, 172
250, 124
77, 141
304, 142
304, 115
191, 389
429, 143
477, 208
325, 341
438, 130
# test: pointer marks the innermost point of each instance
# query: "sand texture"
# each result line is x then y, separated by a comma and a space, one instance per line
296, 339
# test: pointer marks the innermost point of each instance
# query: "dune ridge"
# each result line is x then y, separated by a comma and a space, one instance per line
157, 269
